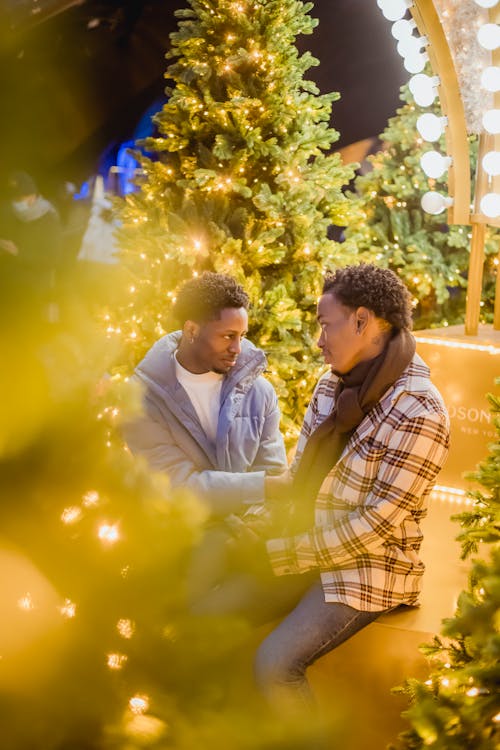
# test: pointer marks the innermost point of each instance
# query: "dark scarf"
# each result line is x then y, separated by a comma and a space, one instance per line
356, 394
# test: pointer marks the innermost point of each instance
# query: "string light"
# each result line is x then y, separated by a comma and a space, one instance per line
26, 602
116, 661
68, 609
108, 533
126, 628
71, 514
139, 704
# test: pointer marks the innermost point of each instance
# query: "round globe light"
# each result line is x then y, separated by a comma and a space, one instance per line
415, 63
491, 163
491, 121
486, 3
403, 28
434, 164
490, 205
394, 10
490, 78
410, 45
488, 36
431, 127
434, 203
423, 88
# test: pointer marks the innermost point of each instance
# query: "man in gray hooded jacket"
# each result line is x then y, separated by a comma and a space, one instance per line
211, 420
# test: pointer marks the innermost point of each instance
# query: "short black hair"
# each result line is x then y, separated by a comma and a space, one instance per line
203, 298
378, 289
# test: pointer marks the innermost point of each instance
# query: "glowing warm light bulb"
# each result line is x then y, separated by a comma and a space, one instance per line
491, 163
26, 602
108, 533
90, 498
411, 45
125, 627
434, 164
394, 10
490, 205
488, 36
491, 121
431, 127
472, 692
434, 203
415, 62
116, 661
71, 514
423, 88
490, 78
68, 609
402, 28
139, 704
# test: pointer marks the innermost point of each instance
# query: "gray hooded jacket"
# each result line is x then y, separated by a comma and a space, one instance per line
230, 474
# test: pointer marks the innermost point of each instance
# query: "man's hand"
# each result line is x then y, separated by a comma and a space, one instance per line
278, 487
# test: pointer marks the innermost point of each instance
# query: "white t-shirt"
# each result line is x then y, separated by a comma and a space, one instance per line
204, 393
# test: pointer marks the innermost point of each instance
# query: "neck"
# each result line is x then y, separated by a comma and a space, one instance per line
186, 359
378, 343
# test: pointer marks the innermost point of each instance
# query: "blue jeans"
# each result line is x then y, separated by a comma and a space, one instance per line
313, 628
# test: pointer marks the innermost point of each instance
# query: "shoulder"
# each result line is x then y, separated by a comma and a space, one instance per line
415, 395
158, 361
325, 387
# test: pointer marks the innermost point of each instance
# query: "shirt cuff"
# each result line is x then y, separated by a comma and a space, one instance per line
292, 555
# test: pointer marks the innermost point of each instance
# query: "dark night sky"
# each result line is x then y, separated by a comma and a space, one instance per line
80, 80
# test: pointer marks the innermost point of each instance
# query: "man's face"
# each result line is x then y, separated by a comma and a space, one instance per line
218, 342
339, 340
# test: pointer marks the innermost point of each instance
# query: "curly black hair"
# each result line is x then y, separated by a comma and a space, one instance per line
201, 299
378, 289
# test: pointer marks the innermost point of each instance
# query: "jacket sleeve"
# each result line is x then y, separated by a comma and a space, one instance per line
224, 492
271, 456
416, 452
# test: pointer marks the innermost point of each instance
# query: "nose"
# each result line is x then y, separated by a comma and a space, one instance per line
235, 345
321, 341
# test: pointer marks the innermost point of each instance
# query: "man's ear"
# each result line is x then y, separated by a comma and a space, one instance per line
190, 330
362, 318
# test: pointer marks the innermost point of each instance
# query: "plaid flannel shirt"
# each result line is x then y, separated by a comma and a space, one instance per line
367, 535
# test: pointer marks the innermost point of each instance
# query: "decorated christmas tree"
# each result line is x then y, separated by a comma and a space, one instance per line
240, 179
431, 256
458, 706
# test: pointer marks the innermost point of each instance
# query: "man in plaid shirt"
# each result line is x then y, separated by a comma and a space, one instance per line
374, 438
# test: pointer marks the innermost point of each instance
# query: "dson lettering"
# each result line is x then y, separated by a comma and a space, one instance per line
470, 414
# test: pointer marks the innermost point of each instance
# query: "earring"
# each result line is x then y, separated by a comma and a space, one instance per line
191, 340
